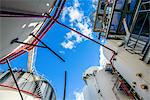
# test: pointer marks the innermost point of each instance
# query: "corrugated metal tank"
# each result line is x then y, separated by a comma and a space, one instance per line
33, 87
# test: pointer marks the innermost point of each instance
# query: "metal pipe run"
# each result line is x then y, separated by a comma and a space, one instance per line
41, 32
114, 52
65, 27
84, 36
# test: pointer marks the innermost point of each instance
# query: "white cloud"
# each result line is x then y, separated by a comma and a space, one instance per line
94, 3
62, 52
79, 95
65, 11
80, 22
68, 44
85, 29
76, 3
72, 34
75, 14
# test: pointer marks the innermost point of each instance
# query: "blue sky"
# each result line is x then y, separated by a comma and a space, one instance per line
78, 52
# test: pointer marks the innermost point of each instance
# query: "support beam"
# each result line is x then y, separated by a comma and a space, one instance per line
9, 66
84, 36
47, 47
135, 15
119, 10
144, 11
16, 14
95, 28
124, 12
65, 84
139, 34
146, 45
145, 2
44, 45
19, 42
109, 25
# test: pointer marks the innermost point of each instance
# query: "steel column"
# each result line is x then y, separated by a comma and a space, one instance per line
134, 17
65, 83
139, 34
109, 25
125, 8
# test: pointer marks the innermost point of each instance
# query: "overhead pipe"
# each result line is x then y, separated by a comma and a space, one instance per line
114, 52
49, 24
84, 35
14, 55
55, 20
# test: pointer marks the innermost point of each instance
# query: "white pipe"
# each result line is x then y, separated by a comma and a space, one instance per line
31, 58
126, 29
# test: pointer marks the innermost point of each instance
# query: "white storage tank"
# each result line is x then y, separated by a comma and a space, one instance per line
32, 87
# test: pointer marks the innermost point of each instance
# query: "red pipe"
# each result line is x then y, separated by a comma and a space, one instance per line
43, 29
114, 52
111, 60
24, 91
126, 90
84, 35
52, 23
14, 55
43, 32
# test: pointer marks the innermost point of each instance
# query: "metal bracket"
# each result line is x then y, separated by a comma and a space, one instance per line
17, 41
44, 45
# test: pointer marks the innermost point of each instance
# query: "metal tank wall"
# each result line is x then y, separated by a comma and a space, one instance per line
130, 66
32, 87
